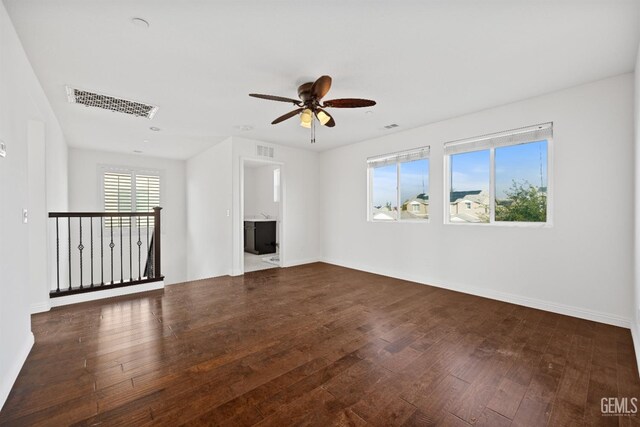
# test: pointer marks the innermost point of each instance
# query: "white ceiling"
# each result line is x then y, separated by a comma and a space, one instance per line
422, 61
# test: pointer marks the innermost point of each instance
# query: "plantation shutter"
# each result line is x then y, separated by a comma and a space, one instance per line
117, 196
147, 196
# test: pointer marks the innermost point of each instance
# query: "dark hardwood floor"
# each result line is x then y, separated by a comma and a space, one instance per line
318, 345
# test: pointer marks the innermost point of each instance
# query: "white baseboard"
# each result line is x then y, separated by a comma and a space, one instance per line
40, 307
579, 312
6, 383
636, 342
295, 262
107, 293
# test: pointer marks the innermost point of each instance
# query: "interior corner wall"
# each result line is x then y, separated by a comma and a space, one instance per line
635, 326
300, 178
22, 100
580, 266
84, 195
208, 184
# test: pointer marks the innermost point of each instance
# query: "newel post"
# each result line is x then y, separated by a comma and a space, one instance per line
157, 270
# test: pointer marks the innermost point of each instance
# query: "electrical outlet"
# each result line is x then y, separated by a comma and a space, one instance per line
3, 149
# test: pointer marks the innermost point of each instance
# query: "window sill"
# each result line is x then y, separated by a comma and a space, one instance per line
503, 224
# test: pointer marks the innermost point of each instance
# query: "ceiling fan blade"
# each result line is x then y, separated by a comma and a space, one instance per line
331, 123
275, 98
320, 87
287, 116
349, 103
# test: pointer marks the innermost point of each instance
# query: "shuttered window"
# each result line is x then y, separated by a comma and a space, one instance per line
147, 196
130, 191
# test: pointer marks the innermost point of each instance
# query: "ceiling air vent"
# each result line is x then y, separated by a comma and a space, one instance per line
391, 126
111, 103
264, 151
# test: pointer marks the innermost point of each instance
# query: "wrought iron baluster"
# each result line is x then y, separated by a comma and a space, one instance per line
69, 231
101, 254
57, 258
111, 245
139, 243
148, 247
121, 275
130, 253
91, 229
80, 248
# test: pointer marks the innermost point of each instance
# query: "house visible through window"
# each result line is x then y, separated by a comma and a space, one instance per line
399, 186
126, 190
500, 178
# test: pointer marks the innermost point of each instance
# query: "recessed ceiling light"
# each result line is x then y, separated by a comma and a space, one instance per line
140, 23
155, 129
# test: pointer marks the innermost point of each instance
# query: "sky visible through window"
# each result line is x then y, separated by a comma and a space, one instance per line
414, 179
523, 162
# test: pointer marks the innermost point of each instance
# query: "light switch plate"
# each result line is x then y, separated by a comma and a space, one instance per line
3, 149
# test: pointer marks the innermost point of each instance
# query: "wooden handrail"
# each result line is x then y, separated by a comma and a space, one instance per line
99, 214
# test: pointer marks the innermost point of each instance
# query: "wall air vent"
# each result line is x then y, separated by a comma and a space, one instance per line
111, 103
264, 151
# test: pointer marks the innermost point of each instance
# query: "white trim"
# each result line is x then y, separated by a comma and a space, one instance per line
40, 307
296, 262
7, 382
107, 293
568, 310
636, 342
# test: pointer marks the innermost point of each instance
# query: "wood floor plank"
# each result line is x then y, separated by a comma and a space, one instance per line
318, 344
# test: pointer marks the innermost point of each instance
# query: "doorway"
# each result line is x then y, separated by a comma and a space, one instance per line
261, 207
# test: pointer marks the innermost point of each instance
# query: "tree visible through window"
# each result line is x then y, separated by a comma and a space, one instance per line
501, 177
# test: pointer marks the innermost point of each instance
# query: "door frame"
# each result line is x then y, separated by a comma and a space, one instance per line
281, 211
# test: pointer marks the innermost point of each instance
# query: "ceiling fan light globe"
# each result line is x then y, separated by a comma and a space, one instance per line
323, 117
306, 116
305, 125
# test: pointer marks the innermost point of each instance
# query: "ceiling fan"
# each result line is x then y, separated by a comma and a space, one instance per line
310, 108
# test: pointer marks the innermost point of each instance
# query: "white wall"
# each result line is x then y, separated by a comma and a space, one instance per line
258, 192
582, 265
299, 233
209, 212
84, 195
21, 101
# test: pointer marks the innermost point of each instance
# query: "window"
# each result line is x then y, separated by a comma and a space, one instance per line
500, 178
126, 190
399, 186
276, 185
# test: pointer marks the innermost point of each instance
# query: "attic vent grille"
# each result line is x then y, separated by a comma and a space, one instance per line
264, 151
106, 102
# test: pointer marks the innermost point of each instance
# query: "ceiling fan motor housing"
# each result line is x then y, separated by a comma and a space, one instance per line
304, 92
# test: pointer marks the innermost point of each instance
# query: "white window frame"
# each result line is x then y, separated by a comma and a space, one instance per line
133, 171
492, 176
397, 158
